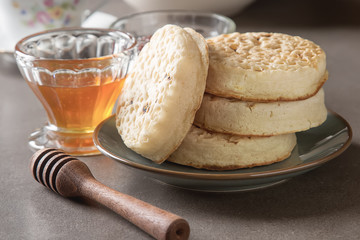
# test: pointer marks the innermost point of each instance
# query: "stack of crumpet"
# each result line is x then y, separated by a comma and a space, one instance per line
261, 89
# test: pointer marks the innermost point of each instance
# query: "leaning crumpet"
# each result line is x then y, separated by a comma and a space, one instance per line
218, 151
265, 67
230, 115
162, 93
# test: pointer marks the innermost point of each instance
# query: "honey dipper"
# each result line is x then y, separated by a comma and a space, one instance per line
71, 177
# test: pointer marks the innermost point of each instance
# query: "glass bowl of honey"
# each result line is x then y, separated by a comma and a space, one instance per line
77, 74
143, 24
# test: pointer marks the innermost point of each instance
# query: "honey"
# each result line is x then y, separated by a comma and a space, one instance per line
74, 112
78, 109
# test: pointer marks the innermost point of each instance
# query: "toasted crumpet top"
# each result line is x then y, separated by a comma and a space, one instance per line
160, 96
265, 67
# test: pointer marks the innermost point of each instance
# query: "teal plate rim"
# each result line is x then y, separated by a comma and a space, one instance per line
254, 173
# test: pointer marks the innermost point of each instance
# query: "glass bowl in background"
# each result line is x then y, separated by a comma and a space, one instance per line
143, 25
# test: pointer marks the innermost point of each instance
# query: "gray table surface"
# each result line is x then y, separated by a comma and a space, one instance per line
321, 204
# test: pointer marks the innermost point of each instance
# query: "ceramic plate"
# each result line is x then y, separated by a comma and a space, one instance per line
314, 148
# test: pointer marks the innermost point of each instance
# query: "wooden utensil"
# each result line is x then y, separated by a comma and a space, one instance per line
71, 177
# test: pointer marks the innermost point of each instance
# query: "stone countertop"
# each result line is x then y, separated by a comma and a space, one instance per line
321, 204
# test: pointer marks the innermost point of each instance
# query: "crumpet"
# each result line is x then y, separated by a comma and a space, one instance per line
260, 119
264, 67
217, 151
163, 91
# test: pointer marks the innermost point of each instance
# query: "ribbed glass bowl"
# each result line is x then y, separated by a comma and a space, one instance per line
77, 74
142, 25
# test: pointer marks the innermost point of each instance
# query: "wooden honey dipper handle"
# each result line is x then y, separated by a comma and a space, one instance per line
70, 177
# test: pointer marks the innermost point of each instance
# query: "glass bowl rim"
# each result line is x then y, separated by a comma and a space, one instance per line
23, 54
231, 23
